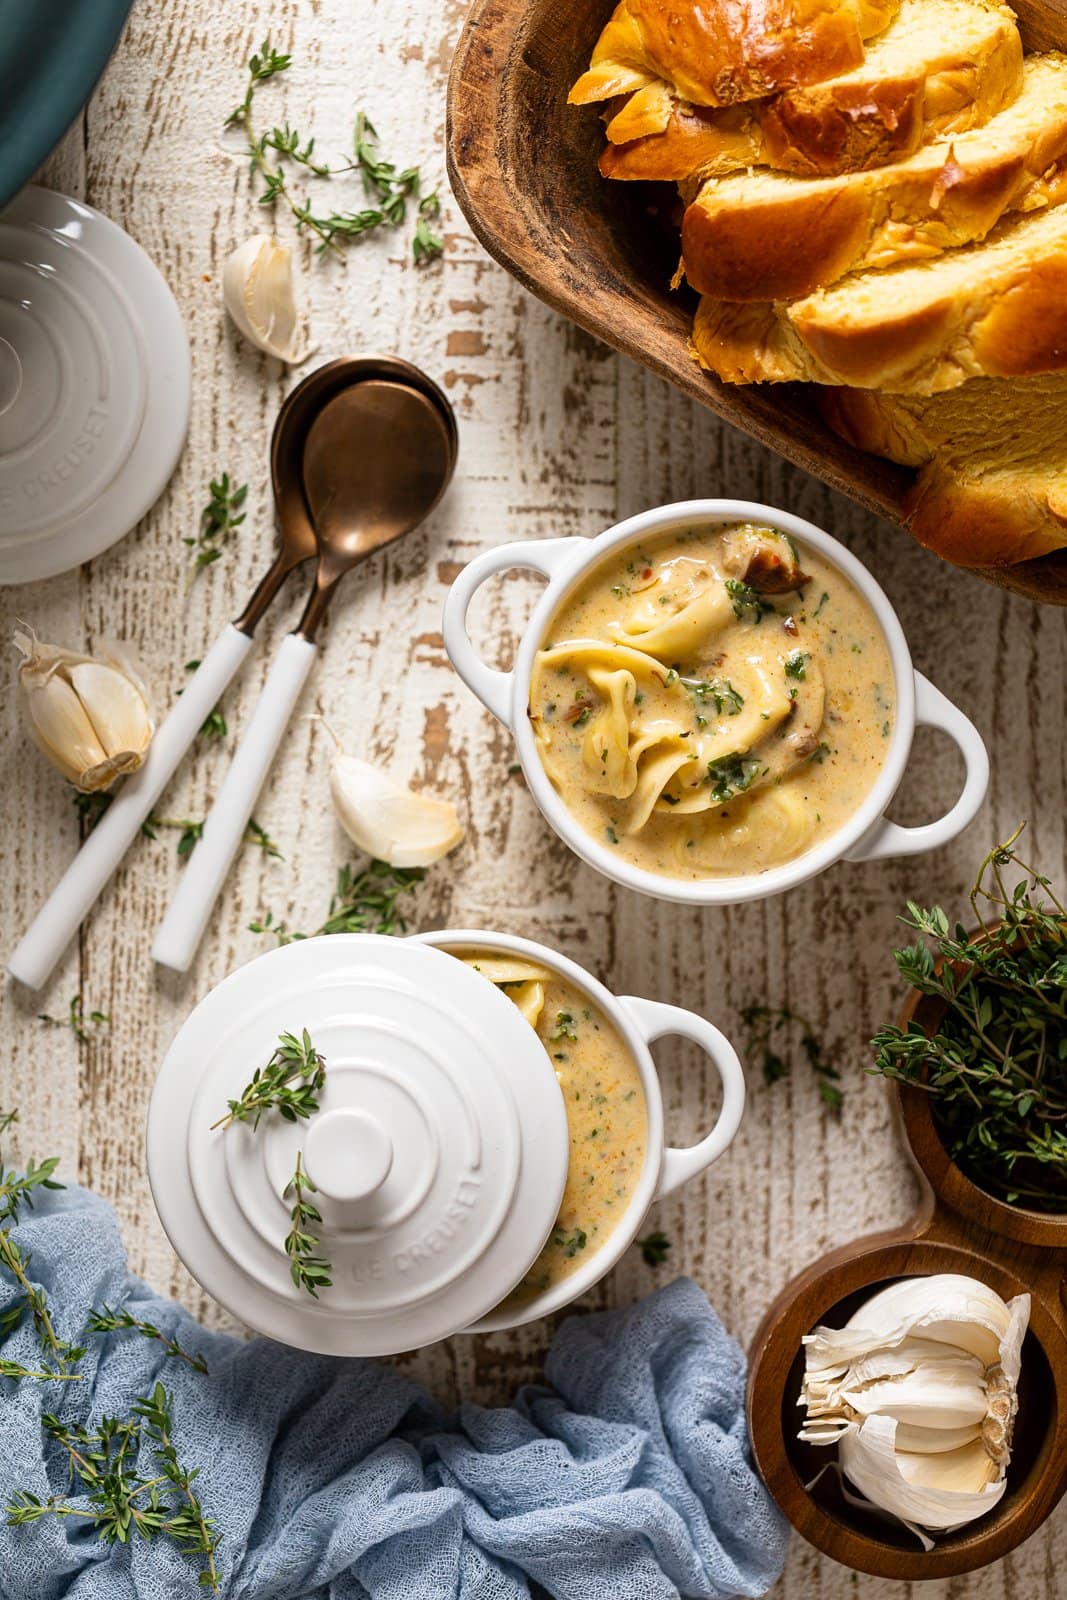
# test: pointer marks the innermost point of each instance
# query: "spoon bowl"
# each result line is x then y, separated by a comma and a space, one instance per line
376, 460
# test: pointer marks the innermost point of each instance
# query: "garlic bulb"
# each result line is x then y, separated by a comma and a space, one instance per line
389, 821
257, 291
89, 715
918, 1391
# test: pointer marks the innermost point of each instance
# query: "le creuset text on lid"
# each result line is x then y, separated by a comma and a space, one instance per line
439, 1151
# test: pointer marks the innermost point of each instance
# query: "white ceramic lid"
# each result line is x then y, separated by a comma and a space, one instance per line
94, 384
439, 1150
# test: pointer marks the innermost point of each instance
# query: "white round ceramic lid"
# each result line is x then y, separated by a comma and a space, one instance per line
439, 1150
94, 384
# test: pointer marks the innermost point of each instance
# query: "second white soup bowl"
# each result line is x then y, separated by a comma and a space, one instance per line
867, 835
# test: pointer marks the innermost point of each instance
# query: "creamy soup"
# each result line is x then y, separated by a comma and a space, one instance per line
606, 1114
714, 702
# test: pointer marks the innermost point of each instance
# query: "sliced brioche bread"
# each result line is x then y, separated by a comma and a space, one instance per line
992, 459
995, 309
716, 53
940, 68
765, 235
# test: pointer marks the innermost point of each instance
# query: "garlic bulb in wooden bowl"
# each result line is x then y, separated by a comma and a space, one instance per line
918, 1391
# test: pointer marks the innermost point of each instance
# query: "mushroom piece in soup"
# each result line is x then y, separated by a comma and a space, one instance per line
605, 1104
714, 702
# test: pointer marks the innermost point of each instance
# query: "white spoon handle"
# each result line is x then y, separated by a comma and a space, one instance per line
181, 930
75, 893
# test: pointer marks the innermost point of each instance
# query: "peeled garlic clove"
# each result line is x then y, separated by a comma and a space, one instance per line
870, 1461
389, 821
63, 731
89, 715
257, 291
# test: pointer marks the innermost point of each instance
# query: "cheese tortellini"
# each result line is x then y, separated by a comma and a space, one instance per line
713, 703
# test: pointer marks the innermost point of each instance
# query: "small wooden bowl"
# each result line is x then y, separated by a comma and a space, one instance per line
957, 1228
523, 166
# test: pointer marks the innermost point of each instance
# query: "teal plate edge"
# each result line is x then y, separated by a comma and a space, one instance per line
51, 54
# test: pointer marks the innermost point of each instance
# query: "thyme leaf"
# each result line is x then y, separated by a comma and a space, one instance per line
76, 1020
363, 902
107, 1321
764, 1023
655, 1248
290, 1084
307, 1270
219, 521
387, 187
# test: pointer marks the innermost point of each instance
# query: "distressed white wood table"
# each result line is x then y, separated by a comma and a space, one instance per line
558, 435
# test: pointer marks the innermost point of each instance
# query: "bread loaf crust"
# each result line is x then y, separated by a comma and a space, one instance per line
771, 237
717, 53
868, 118
996, 309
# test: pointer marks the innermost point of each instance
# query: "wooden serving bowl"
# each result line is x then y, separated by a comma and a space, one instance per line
523, 166
957, 1228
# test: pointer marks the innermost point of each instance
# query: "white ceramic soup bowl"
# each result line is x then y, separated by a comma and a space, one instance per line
866, 836
639, 1023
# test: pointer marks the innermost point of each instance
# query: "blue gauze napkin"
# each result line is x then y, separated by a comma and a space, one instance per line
628, 1479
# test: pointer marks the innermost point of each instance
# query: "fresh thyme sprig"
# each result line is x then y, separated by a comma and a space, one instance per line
76, 1020
117, 1500
763, 1022
35, 1301
290, 1084
105, 1320
269, 152
995, 1062
219, 521
426, 244
17, 1191
363, 902
191, 831
307, 1270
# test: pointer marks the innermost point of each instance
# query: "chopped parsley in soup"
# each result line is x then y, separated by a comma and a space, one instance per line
713, 703
605, 1104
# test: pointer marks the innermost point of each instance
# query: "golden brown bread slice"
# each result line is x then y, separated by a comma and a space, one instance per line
992, 459
765, 235
940, 67
718, 52
995, 309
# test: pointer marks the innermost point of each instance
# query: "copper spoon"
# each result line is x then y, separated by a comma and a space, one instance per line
79, 887
377, 459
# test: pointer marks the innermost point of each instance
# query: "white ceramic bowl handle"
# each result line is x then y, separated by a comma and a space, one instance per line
934, 710
493, 688
656, 1021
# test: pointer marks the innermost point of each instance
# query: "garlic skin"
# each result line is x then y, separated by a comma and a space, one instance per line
257, 291
918, 1391
89, 715
388, 820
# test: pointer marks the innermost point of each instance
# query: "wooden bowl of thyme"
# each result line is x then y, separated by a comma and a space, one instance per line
987, 1091
979, 1055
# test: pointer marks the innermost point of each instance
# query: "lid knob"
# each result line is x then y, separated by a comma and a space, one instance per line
348, 1154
